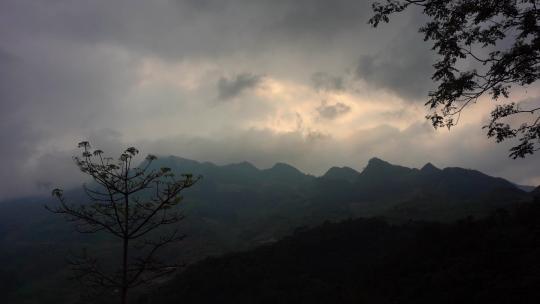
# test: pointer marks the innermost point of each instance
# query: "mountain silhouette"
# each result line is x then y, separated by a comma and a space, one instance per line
239, 206
378, 181
342, 173
429, 168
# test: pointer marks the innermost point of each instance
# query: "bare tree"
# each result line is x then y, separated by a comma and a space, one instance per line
129, 203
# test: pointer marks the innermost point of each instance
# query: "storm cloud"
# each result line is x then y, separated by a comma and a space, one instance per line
147, 73
325, 82
403, 67
230, 88
332, 111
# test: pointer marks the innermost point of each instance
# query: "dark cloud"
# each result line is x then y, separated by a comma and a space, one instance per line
304, 18
229, 88
73, 70
49, 92
403, 67
326, 82
332, 111
166, 27
406, 78
314, 135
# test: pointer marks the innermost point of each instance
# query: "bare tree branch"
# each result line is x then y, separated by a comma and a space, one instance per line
127, 203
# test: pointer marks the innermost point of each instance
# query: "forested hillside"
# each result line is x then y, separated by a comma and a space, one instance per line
491, 260
237, 207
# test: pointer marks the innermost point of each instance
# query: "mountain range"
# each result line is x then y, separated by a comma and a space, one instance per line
238, 190
238, 206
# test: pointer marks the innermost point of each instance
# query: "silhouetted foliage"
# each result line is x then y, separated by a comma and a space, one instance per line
503, 36
129, 203
492, 260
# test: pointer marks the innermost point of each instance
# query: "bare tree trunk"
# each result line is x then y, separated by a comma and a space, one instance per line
126, 240
124, 272
108, 213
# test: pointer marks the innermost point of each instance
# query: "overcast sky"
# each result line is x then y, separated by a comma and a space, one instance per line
306, 82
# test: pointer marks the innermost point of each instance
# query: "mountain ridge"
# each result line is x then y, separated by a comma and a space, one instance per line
372, 163
238, 206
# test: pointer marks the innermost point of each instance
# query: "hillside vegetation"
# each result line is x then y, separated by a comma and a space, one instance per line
238, 206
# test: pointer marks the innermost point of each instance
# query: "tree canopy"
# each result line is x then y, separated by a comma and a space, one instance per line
501, 40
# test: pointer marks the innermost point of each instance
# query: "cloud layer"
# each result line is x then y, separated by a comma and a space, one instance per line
149, 73
230, 88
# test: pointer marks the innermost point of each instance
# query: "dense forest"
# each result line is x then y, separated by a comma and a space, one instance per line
489, 260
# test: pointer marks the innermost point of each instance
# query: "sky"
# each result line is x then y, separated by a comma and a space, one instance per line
306, 82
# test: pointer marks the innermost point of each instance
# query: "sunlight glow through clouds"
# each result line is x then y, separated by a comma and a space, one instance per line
285, 105
296, 100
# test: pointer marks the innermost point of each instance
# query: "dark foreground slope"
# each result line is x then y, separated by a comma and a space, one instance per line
493, 260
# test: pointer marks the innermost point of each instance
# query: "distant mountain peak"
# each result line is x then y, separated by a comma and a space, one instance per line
343, 173
377, 164
377, 161
378, 169
243, 165
172, 160
283, 168
430, 168
281, 165
181, 159
285, 171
